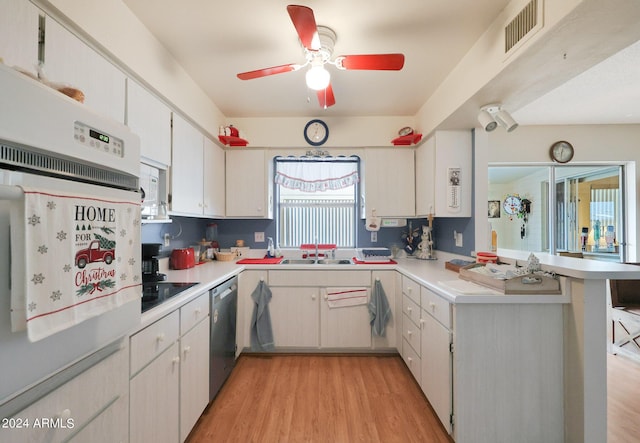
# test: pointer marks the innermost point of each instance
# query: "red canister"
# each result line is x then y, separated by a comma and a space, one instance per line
486, 257
182, 258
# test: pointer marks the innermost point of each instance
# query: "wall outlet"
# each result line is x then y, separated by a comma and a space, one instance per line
167, 240
459, 239
258, 237
374, 236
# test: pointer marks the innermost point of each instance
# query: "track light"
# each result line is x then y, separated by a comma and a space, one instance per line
505, 120
487, 122
492, 115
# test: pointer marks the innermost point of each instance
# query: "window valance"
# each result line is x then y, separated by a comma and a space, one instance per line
316, 176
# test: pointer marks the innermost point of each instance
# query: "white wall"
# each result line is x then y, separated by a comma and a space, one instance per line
530, 144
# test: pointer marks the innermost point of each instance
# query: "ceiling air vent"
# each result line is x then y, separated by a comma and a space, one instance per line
527, 20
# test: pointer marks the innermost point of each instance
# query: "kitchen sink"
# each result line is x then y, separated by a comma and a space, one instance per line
302, 261
310, 261
327, 261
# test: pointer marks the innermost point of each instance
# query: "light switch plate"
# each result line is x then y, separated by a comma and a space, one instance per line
459, 239
258, 237
374, 236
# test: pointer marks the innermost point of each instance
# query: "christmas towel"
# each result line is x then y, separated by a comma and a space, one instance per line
350, 296
82, 259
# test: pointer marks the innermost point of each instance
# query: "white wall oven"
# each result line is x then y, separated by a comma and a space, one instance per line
70, 283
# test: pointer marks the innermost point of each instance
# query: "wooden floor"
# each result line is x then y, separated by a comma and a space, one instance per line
623, 405
313, 398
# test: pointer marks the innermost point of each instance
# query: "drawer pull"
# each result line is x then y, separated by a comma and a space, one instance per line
160, 337
65, 415
409, 332
409, 309
422, 321
313, 296
198, 311
409, 359
432, 305
187, 349
175, 360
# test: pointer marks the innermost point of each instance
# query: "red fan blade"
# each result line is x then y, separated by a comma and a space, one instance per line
268, 71
326, 97
305, 24
375, 62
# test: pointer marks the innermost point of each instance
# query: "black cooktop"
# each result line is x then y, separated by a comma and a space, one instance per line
156, 293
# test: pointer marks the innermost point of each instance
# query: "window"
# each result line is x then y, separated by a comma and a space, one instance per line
581, 214
316, 200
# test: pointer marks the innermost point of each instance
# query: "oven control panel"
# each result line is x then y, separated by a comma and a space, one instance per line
98, 140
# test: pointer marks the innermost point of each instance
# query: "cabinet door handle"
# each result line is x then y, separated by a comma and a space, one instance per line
313, 296
175, 360
432, 305
326, 297
409, 333
187, 349
422, 322
409, 309
64, 415
198, 311
160, 337
409, 359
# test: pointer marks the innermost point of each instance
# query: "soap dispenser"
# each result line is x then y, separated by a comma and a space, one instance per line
271, 253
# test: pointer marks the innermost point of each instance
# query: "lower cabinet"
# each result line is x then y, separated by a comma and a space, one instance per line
169, 386
91, 407
295, 316
300, 314
436, 374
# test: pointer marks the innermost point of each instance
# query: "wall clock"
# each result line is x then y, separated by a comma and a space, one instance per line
512, 205
561, 152
316, 132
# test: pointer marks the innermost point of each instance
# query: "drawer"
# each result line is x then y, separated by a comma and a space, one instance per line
412, 360
411, 310
437, 307
411, 334
152, 340
193, 312
411, 289
75, 404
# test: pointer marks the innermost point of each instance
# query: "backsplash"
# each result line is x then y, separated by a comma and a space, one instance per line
185, 231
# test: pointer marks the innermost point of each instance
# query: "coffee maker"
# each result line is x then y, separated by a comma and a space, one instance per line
150, 265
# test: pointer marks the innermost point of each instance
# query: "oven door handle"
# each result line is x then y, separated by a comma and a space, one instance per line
11, 192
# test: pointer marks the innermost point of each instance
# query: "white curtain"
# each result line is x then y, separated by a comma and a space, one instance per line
316, 176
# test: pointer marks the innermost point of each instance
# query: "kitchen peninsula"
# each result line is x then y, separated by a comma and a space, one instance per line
522, 366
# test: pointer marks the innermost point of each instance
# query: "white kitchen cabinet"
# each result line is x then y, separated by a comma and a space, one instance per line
169, 387
411, 334
70, 61
19, 34
436, 339
155, 399
214, 180
295, 316
96, 399
187, 190
247, 283
389, 182
197, 172
444, 175
150, 119
249, 184
344, 327
194, 376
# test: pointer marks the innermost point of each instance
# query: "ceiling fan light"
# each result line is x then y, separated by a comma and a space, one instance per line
318, 78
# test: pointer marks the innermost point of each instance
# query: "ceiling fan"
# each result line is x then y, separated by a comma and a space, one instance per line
318, 42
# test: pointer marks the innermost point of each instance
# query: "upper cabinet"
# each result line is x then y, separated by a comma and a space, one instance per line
444, 175
70, 61
389, 182
186, 168
19, 34
150, 119
197, 172
249, 184
214, 180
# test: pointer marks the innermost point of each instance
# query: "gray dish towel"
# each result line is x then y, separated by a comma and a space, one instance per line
379, 311
261, 331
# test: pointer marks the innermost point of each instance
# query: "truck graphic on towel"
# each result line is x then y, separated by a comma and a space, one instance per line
101, 249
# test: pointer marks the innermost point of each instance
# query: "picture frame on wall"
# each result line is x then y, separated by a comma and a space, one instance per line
493, 209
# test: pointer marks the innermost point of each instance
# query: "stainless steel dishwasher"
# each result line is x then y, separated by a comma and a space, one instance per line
224, 306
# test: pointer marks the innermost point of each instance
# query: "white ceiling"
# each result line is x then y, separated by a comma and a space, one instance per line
215, 40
